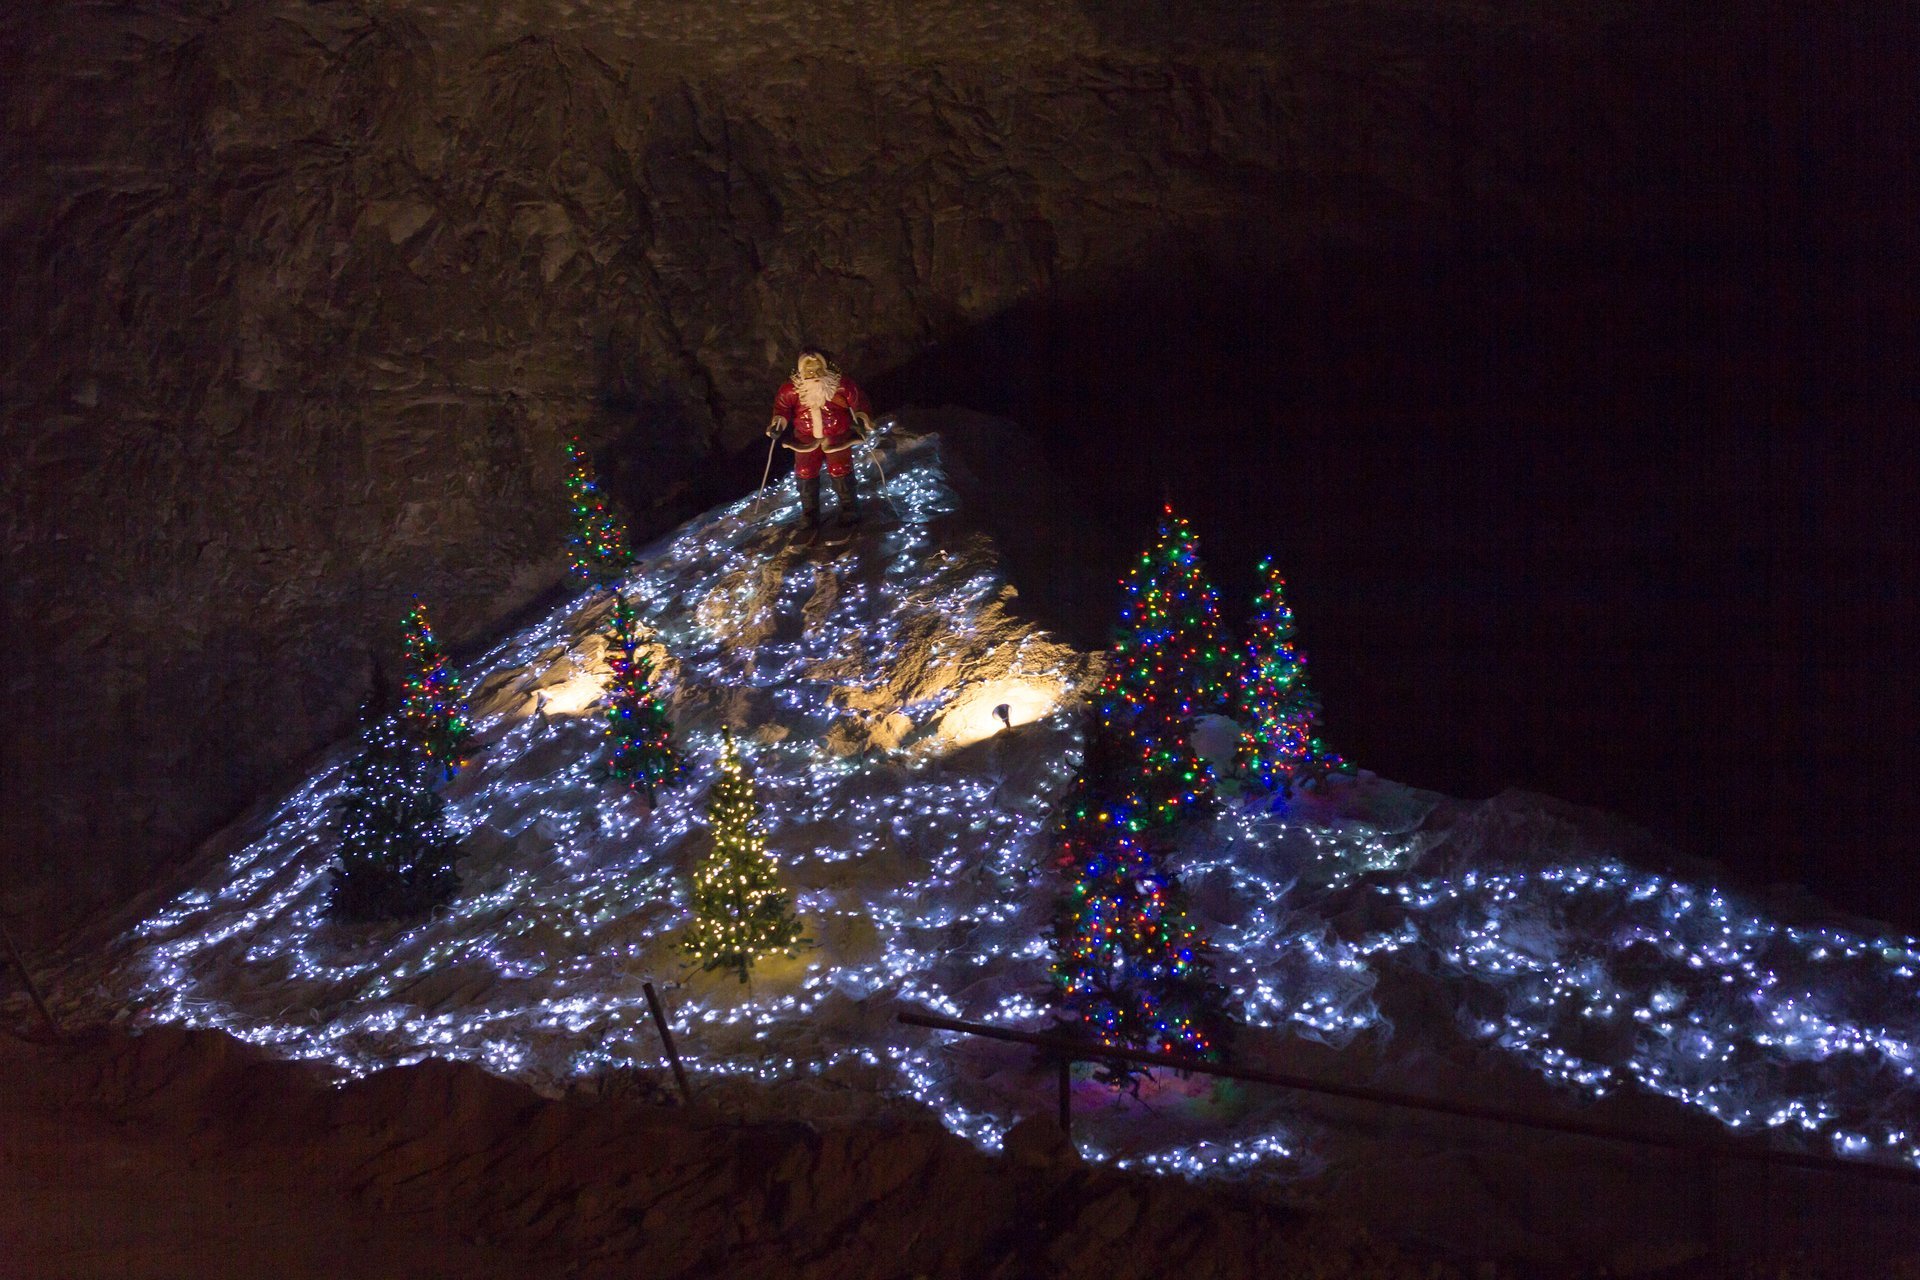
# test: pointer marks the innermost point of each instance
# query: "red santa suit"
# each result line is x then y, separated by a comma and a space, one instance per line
820, 411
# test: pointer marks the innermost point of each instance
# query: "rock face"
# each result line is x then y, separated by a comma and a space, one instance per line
236, 1165
303, 297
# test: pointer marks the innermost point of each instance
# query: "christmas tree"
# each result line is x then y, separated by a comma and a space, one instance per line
431, 707
1128, 964
598, 543
739, 912
1099, 799
1171, 649
1169, 664
1278, 745
396, 854
643, 754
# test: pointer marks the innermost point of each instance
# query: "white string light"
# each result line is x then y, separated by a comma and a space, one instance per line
923, 874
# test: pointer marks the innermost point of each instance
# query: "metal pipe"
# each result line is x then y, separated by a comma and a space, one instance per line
1066, 1098
666, 1038
1081, 1051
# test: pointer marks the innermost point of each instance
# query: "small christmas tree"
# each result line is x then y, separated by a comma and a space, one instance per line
643, 754
1128, 964
1171, 649
739, 911
396, 854
431, 707
1169, 664
598, 543
1278, 745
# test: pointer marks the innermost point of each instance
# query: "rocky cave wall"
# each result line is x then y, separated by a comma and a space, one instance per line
302, 298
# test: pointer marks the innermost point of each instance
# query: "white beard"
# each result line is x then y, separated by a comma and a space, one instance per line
814, 394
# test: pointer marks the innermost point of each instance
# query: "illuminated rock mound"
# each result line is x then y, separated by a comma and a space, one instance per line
1445, 948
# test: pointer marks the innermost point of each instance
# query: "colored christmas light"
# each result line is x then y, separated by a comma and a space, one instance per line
1129, 963
431, 707
637, 722
395, 852
597, 546
740, 913
1171, 648
1278, 746
1169, 664
1600, 978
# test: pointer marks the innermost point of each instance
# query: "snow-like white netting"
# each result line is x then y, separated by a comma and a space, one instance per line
910, 821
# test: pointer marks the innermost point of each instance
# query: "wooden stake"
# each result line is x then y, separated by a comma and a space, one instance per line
33, 988
666, 1038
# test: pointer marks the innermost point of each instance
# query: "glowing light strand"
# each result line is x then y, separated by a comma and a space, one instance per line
598, 547
431, 705
927, 879
1278, 745
740, 913
643, 754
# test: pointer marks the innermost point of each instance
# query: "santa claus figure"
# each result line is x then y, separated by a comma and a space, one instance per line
820, 413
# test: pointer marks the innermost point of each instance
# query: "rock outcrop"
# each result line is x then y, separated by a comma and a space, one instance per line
202, 1156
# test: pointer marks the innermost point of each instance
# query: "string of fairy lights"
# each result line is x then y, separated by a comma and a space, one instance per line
1713, 1004
1275, 701
924, 879
597, 546
642, 753
740, 912
431, 700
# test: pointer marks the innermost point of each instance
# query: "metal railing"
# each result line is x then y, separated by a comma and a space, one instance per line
1066, 1051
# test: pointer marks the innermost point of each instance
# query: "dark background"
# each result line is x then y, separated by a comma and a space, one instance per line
1633, 527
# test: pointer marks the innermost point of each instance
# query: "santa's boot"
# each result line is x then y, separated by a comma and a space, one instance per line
808, 527
849, 512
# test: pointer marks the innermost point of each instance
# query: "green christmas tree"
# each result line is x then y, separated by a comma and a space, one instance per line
1129, 966
740, 913
431, 707
1128, 963
1278, 745
598, 542
395, 852
1170, 782
1171, 649
1168, 665
643, 753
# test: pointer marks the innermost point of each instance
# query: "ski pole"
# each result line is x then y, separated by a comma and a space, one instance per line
773, 442
873, 456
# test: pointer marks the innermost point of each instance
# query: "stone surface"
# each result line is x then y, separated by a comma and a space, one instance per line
1037, 1142
189, 1153
303, 297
